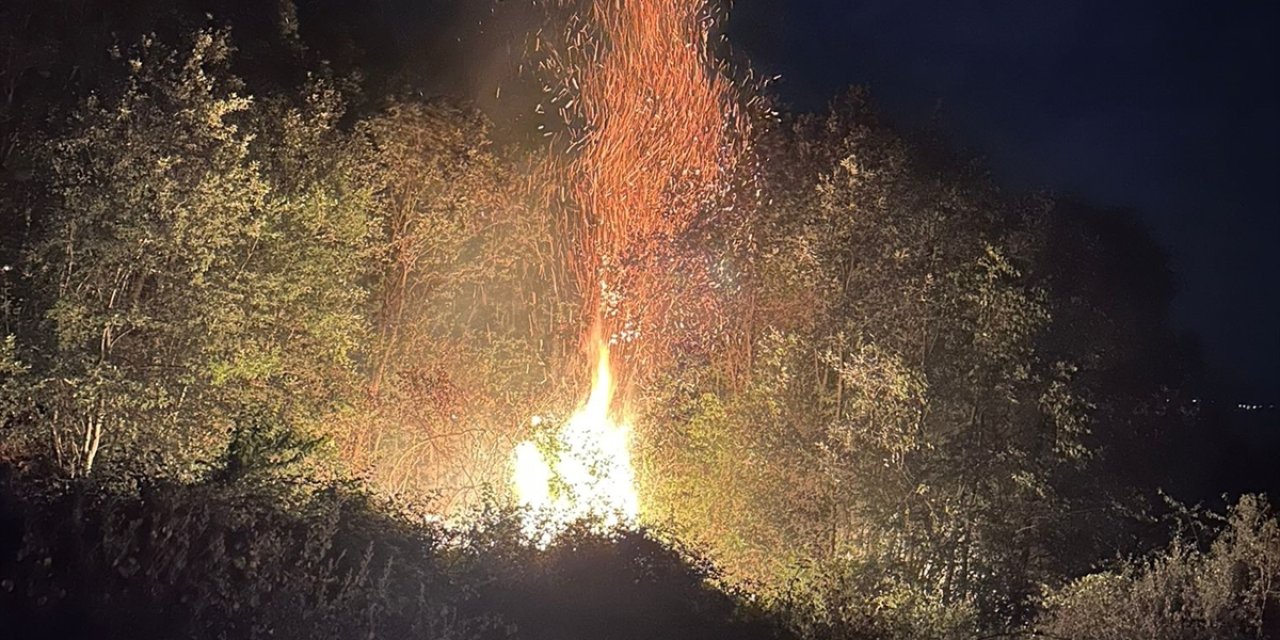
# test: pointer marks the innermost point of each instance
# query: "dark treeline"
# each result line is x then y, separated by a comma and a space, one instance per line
266, 261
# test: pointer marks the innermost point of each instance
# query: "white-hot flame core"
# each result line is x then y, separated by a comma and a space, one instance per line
588, 475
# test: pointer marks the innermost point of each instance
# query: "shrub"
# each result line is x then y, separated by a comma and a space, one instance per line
232, 560
1230, 590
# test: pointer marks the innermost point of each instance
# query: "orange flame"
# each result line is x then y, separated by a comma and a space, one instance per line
585, 473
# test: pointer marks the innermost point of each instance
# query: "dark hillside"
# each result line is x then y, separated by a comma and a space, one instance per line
216, 561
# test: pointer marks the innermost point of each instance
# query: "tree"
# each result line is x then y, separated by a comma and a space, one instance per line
472, 312
203, 254
897, 445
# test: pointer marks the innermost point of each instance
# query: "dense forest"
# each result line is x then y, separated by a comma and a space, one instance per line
280, 292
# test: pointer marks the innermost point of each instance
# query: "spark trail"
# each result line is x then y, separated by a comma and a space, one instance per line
654, 130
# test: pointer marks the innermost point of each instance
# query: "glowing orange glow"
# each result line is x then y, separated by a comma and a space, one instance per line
584, 472
653, 129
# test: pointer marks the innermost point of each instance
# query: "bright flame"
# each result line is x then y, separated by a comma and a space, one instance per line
586, 474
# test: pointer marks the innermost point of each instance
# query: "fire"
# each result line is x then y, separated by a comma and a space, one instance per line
653, 132
585, 472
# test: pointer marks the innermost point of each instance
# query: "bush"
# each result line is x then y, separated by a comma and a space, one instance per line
1230, 590
222, 560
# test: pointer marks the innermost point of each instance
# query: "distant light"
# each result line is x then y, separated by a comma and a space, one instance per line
1244, 406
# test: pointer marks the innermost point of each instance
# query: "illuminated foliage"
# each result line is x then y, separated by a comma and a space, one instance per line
896, 440
471, 310
204, 256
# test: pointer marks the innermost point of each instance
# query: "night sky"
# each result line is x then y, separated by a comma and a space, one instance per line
1168, 107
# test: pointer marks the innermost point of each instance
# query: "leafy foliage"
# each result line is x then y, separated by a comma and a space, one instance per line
204, 256
897, 446
468, 328
1230, 590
